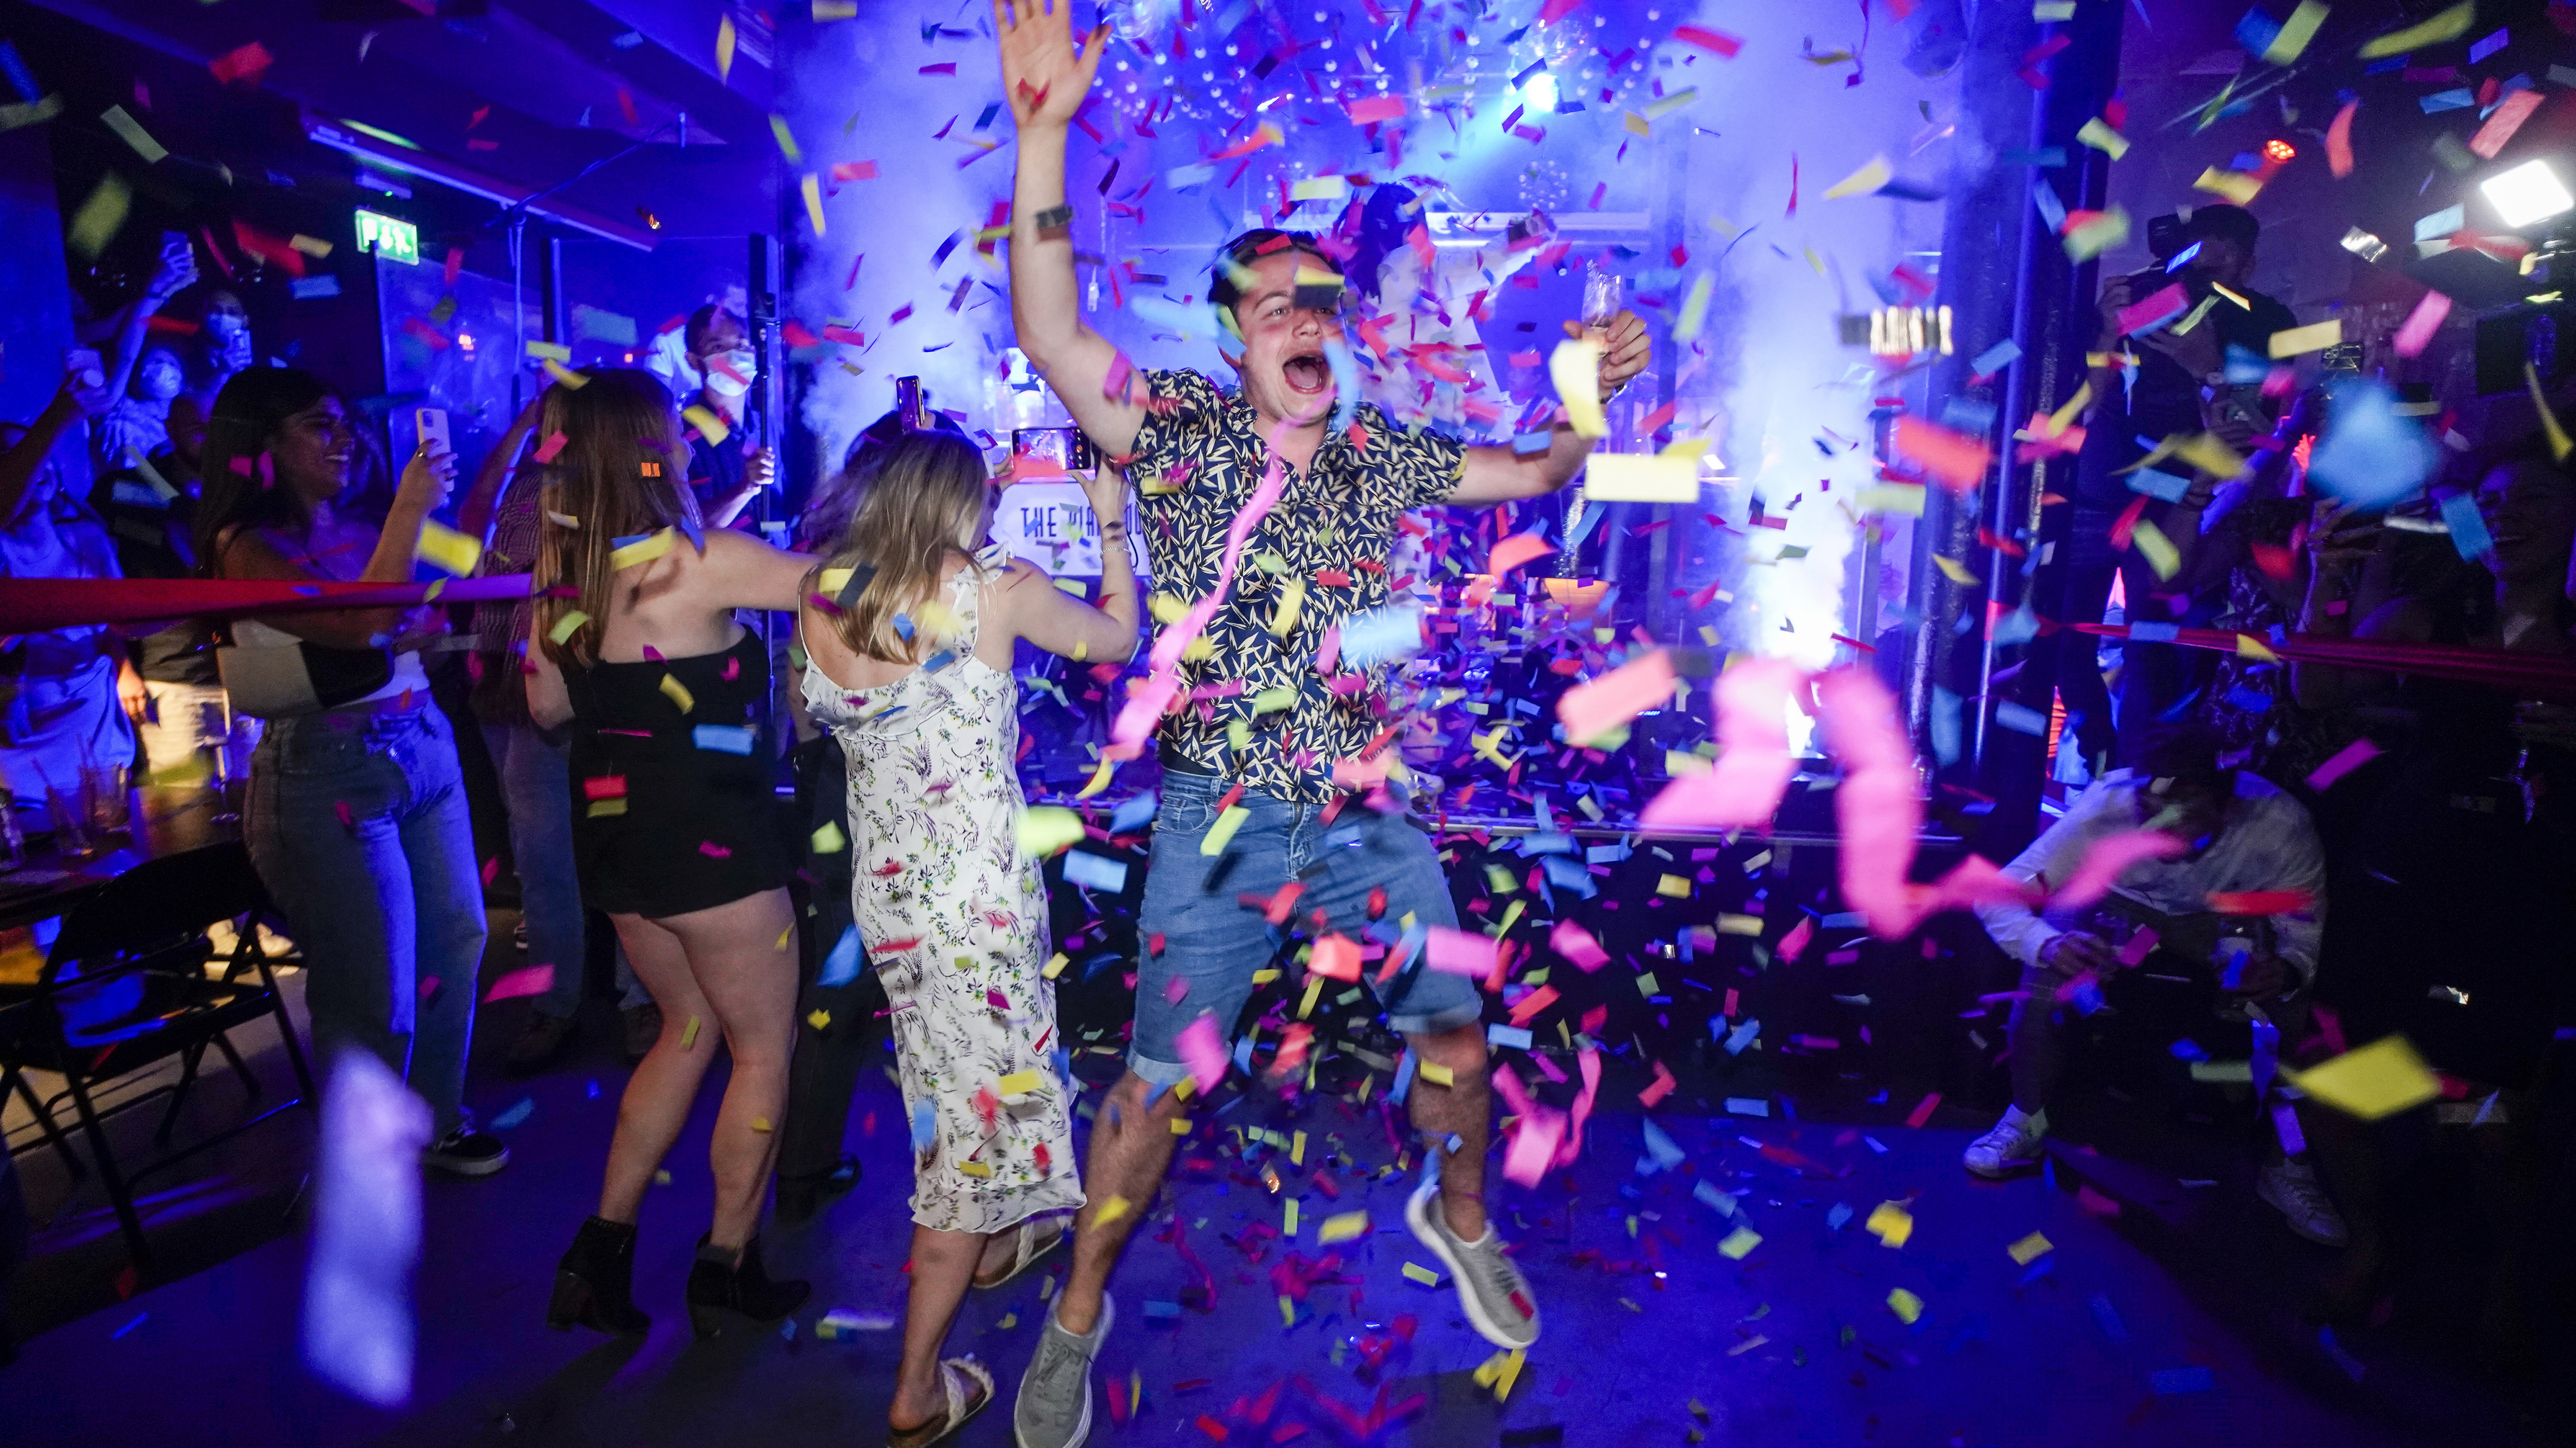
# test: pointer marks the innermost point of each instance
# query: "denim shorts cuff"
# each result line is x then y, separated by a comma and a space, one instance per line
1158, 1074
1438, 1022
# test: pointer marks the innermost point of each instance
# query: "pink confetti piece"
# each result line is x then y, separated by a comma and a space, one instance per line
1516, 550
1597, 706
531, 980
2506, 119
1533, 1148
714, 851
2351, 757
1458, 952
1577, 944
548, 450
1176, 990
1923, 1110
1659, 1088
2424, 321
2109, 858
1203, 1051
1792, 945
1753, 765
1370, 109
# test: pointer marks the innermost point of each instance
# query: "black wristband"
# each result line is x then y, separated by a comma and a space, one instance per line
1055, 220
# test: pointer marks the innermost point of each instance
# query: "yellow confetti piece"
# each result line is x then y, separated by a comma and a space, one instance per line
2156, 548
1416, 1272
1264, 977
1892, 1224
812, 187
661, 1178
1635, 124
689, 1034
1314, 990
101, 216
1018, 1083
1739, 925
2237, 186
1905, 1305
1110, 1211
2211, 456
1342, 1227
2295, 34
1815, 261
1575, 370
678, 693
835, 10
2098, 134
566, 626
1694, 312
603, 808
2380, 1079
1435, 1073
833, 580
819, 1020
974, 1169
828, 839
1180, 1126
2250, 647
444, 548
2029, 1249
760, 1124
1863, 181
704, 419
2558, 443
2451, 24
1297, 1150
1055, 966
2047, 10
1046, 829
642, 550
562, 520
2315, 337
132, 133
2097, 234
724, 49
1292, 600
1904, 499
1291, 1214
548, 351
1673, 887
1287, 1304
565, 376
1222, 832
1739, 1242
785, 936
1099, 779
1955, 571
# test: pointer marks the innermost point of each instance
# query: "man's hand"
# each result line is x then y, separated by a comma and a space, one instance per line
2195, 351
1624, 351
177, 272
130, 691
2263, 978
2076, 952
1043, 78
2114, 300
759, 470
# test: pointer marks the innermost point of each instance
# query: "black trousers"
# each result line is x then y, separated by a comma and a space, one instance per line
830, 1056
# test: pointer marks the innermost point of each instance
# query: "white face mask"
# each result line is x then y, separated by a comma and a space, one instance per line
723, 385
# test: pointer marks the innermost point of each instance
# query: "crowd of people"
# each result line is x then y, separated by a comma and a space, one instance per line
2419, 808
624, 709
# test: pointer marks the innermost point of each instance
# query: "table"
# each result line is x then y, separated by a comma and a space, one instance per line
167, 820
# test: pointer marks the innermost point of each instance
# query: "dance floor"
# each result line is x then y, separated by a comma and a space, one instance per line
1737, 1295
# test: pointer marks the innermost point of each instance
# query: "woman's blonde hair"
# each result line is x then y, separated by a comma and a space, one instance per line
621, 473
924, 499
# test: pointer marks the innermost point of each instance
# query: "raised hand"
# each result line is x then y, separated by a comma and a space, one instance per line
1043, 77
1624, 351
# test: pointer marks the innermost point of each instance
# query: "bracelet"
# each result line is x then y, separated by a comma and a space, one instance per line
1055, 221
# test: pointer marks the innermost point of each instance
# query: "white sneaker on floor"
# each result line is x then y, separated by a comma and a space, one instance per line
2292, 1187
2012, 1146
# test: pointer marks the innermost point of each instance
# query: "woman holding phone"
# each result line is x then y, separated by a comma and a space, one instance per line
356, 815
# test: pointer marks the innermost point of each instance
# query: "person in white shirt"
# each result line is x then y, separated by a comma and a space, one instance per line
2241, 835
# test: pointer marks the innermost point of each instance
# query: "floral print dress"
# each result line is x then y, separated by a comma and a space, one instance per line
955, 924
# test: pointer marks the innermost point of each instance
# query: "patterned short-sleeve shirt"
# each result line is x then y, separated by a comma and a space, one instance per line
1333, 530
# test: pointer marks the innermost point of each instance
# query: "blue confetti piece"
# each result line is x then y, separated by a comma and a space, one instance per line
1946, 743
2459, 99
1162, 1311
515, 1114
2107, 1318
2369, 456
842, 965
1094, 872
1403, 1079
129, 1327
903, 626
1384, 635
2187, 1049
2256, 32
725, 738
1839, 1217
2173, 1382
1709, 1196
938, 661
1741, 1037
627, 539
1135, 813
2005, 352
1660, 1143
2159, 484
1517, 1037
925, 1125
2037, 1270
2468, 526
2021, 719
591, 1092
2154, 633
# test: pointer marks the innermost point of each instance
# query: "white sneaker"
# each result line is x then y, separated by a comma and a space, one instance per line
2292, 1187
2012, 1146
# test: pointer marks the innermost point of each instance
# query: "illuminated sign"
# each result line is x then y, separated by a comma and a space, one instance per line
1909, 331
393, 240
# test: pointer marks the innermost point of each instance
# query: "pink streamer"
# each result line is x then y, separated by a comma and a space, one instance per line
2109, 859
1877, 805
1753, 765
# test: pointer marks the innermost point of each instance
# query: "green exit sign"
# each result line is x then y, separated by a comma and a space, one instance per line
388, 238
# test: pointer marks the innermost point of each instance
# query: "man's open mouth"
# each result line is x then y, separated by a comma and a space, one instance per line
1308, 374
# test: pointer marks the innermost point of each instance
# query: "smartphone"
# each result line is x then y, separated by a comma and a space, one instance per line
432, 423
84, 367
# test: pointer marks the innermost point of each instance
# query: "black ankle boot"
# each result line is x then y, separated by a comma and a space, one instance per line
724, 1281
595, 1282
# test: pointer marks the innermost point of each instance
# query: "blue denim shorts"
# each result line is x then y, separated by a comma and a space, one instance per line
1214, 943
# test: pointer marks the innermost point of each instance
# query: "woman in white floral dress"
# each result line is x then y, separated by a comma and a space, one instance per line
908, 634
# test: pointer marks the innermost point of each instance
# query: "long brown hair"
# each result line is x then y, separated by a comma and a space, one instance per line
620, 474
927, 492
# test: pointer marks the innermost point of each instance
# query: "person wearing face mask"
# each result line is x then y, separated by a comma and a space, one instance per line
356, 814
1286, 756
725, 475
60, 690
143, 381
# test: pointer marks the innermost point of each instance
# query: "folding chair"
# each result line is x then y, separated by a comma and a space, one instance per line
125, 987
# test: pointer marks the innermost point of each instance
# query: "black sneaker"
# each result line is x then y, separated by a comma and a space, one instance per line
467, 1152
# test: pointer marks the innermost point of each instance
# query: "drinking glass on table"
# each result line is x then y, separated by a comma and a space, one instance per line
13, 836
71, 821
104, 798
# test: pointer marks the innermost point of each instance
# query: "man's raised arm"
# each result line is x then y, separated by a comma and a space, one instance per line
1497, 474
1046, 83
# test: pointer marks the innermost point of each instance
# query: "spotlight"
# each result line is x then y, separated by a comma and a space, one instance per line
2528, 194
1540, 94
2278, 151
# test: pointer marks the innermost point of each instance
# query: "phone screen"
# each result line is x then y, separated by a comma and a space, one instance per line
433, 429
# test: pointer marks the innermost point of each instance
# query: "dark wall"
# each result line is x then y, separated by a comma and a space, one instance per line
36, 325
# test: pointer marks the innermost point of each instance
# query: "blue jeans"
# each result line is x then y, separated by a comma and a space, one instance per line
357, 825
536, 789
1214, 943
